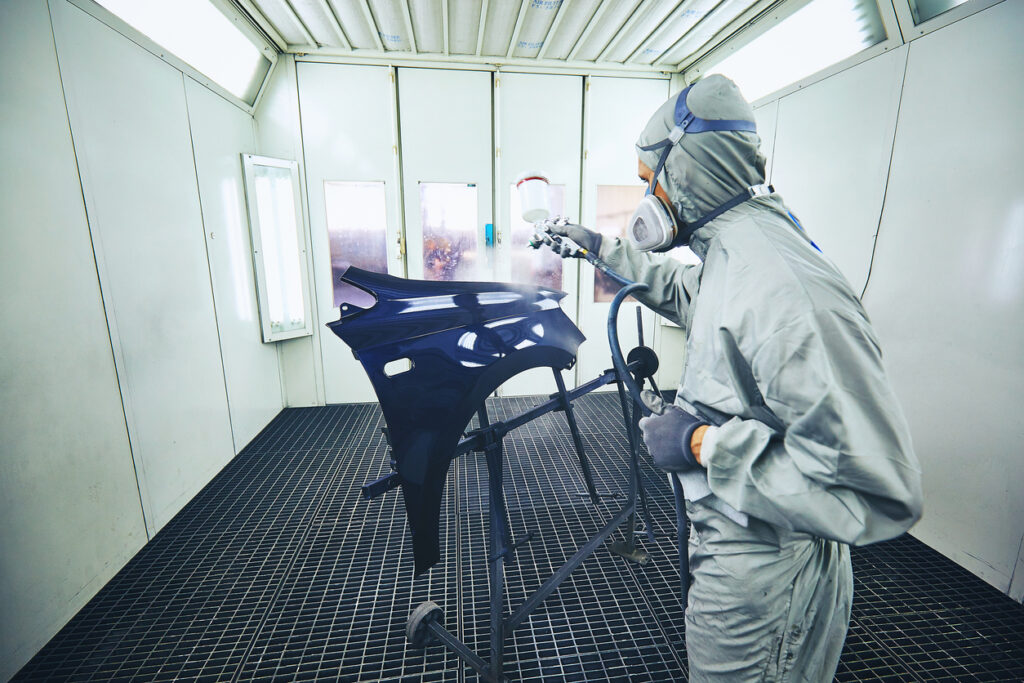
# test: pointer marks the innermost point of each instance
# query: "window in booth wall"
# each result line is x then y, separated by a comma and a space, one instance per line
451, 240
356, 231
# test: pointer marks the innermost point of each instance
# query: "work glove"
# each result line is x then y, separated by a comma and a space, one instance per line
559, 225
668, 433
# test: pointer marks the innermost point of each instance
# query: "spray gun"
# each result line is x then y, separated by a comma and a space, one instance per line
533, 199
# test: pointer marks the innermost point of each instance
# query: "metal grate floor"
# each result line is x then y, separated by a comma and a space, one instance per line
278, 570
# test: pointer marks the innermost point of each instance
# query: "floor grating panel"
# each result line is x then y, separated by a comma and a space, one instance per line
278, 570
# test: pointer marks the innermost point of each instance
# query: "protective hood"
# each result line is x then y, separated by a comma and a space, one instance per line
705, 170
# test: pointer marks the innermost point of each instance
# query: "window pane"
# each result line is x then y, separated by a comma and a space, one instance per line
615, 206
928, 9
451, 240
534, 266
819, 35
200, 35
281, 247
356, 230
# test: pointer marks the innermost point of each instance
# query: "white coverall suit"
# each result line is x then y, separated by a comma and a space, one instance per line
814, 447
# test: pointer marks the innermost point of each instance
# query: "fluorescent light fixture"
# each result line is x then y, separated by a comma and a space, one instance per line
815, 37
279, 255
200, 35
924, 10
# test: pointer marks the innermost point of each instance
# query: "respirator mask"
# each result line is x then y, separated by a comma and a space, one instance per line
655, 225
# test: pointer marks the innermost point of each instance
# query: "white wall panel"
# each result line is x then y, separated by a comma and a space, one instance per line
766, 117
130, 126
220, 133
947, 288
616, 111
446, 138
550, 145
70, 514
278, 135
347, 143
831, 158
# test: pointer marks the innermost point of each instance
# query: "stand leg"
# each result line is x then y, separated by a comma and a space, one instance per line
498, 547
635, 457
628, 547
577, 440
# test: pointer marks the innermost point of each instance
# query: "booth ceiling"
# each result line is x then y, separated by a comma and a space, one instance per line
640, 35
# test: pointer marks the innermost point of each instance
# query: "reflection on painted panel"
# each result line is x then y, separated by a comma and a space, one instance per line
615, 206
534, 266
451, 240
356, 230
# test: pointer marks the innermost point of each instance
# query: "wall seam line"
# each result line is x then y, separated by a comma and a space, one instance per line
319, 378
99, 279
888, 175
277, 347
209, 269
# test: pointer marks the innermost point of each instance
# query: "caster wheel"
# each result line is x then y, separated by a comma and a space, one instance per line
416, 628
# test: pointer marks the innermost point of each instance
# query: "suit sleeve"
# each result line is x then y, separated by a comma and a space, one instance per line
670, 281
838, 463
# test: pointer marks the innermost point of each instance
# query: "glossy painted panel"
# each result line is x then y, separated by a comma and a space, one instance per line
131, 132
343, 142
70, 514
221, 132
832, 148
434, 350
947, 289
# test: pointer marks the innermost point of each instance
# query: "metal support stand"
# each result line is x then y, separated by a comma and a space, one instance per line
425, 625
566, 407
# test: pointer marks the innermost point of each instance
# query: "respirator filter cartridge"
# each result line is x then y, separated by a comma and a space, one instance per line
653, 226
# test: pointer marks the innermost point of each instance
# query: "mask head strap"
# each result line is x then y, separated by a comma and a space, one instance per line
688, 122
684, 235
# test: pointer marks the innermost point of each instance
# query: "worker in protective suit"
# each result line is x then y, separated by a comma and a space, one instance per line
785, 432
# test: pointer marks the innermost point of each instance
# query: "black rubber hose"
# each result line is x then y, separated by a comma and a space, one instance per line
613, 327
682, 539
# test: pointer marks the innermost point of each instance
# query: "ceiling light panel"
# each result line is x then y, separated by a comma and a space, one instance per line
428, 25
463, 26
501, 21
536, 24
321, 22
200, 35
679, 23
646, 19
607, 26
390, 21
358, 31
285, 21
716, 20
817, 36
577, 14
